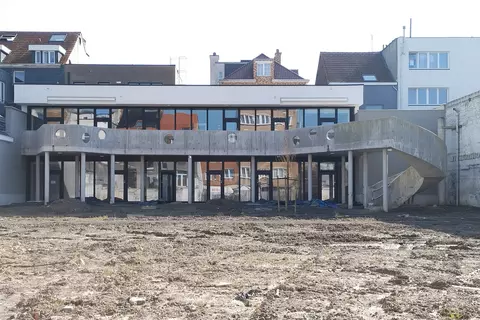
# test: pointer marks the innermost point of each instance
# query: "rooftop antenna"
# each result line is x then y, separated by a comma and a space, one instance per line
410, 27
179, 72
404, 31
371, 42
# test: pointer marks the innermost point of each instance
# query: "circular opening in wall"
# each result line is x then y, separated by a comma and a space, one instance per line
313, 132
296, 140
102, 134
232, 137
86, 137
60, 133
168, 139
330, 134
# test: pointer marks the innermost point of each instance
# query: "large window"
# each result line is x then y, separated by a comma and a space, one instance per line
199, 120
264, 69
428, 60
311, 118
215, 119
45, 57
427, 96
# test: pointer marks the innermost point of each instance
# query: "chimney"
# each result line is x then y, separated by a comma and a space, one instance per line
278, 57
214, 58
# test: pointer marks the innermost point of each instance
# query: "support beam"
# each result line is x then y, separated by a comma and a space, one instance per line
442, 186
253, 175
37, 178
83, 176
190, 185
342, 184
112, 179
350, 179
365, 179
77, 177
46, 198
310, 177
142, 178
385, 179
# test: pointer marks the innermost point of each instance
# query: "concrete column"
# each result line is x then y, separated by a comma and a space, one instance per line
190, 179
310, 177
46, 198
83, 176
350, 179
442, 185
77, 177
37, 178
253, 175
342, 184
112, 179
142, 178
385, 179
365, 180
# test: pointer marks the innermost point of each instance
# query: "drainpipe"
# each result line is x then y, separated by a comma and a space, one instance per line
457, 129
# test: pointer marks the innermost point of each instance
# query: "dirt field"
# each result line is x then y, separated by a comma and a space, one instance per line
233, 262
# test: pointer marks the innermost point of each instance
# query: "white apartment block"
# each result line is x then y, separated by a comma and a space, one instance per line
433, 71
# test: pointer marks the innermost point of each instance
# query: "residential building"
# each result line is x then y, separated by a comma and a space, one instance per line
261, 70
433, 71
360, 68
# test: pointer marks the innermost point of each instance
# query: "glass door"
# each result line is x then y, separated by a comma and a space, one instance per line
264, 185
214, 185
327, 183
167, 186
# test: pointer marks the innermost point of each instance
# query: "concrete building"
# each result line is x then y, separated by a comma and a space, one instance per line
360, 68
463, 145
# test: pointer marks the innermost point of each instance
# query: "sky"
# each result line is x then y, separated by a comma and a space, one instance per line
159, 31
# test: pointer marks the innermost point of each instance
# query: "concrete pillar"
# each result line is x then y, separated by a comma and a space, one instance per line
350, 179
365, 180
112, 179
37, 178
342, 184
310, 178
385, 179
142, 178
190, 179
46, 198
77, 177
442, 185
253, 175
83, 175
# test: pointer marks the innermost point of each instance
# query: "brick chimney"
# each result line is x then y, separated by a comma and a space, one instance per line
278, 57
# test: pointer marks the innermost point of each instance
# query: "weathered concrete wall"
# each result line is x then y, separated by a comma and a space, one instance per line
12, 163
469, 111
396, 162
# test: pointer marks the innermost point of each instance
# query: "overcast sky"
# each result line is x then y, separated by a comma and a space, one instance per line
155, 31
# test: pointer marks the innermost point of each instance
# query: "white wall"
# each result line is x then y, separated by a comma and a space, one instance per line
78, 55
461, 78
189, 95
469, 108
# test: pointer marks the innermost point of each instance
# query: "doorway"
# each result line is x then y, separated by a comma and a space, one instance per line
167, 186
264, 186
327, 183
214, 184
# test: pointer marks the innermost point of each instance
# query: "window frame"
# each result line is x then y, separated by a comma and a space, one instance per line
429, 54
245, 172
38, 57
51, 54
229, 174
14, 76
427, 96
58, 37
261, 67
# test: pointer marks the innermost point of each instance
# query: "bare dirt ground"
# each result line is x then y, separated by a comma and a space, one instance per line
237, 262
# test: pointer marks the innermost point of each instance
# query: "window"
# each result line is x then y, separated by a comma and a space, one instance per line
311, 118
2, 91
245, 172
38, 57
181, 179
343, 115
369, 77
373, 107
263, 119
247, 119
45, 57
51, 57
58, 37
103, 82
220, 75
264, 69
279, 173
19, 77
228, 174
427, 96
428, 60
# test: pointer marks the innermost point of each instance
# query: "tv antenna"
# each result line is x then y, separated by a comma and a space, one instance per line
180, 73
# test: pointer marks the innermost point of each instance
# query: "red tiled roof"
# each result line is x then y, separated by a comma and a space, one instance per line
19, 46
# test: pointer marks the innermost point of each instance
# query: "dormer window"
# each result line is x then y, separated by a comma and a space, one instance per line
8, 37
46, 53
58, 37
264, 69
45, 57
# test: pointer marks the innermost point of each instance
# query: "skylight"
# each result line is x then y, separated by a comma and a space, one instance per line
58, 37
8, 37
369, 77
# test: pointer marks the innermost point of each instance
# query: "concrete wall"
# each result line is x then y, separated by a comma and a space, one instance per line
12, 163
396, 162
469, 108
390, 54
380, 95
461, 78
189, 95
